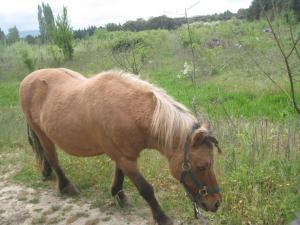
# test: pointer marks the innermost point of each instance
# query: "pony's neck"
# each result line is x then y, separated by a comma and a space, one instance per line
167, 152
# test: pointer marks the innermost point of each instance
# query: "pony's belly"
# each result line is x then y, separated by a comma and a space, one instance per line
72, 140
78, 145
80, 151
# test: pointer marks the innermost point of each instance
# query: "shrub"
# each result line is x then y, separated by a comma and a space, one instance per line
29, 60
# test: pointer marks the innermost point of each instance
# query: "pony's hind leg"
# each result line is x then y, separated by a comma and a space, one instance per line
49, 152
38, 149
117, 188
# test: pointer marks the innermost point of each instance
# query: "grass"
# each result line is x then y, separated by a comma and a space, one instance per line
257, 128
39, 220
9, 94
29, 176
218, 101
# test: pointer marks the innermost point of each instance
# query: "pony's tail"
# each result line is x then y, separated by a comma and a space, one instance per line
36, 146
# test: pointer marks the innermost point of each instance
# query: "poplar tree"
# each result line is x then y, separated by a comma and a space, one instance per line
63, 34
46, 22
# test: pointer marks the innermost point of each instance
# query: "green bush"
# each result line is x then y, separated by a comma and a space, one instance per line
130, 52
29, 60
56, 54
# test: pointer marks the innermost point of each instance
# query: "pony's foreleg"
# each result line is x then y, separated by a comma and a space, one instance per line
117, 188
46, 170
145, 189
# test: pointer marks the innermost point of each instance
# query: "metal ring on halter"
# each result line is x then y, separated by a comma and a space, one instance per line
203, 192
186, 166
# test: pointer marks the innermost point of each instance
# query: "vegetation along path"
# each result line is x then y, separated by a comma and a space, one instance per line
25, 205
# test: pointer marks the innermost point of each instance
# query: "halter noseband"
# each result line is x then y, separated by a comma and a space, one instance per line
187, 172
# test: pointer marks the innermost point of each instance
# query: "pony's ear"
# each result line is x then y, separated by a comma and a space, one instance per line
199, 134
205, 126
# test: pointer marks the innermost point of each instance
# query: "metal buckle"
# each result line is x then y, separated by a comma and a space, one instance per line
186, 166
203, 192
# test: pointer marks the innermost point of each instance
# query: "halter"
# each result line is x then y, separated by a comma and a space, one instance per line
187, 172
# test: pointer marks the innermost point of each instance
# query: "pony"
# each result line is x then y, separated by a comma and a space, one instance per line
117, 114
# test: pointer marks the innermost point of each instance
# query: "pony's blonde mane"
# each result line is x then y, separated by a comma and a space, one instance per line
171, 121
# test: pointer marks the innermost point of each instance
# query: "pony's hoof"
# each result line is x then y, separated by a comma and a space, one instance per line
164, 220
122, 200
70, 189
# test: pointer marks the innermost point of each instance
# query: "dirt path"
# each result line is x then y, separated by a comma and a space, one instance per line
23, 205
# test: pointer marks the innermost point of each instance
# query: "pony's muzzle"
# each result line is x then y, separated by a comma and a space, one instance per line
212, 206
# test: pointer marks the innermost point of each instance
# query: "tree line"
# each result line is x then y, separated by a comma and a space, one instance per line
59, 31
154, 23
165, 22
255, 11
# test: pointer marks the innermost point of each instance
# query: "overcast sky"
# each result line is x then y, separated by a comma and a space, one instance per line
82, 13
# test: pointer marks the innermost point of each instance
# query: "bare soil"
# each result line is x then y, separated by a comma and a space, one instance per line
23, 205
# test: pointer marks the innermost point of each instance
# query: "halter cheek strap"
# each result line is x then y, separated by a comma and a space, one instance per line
203, 190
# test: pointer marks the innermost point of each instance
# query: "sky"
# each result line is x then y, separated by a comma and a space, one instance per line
83, 13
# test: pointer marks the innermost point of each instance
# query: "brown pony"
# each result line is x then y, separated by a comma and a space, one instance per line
120, 115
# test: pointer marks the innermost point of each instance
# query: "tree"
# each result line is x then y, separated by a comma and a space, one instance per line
287, 54
288, 48
227, 15
242, 14
13, 35
161, 22
30, 39
259, 8
42, 26
82, 33
113, 27
295, 6
63, 34
46, 22
137, 25
2, 36
130, 52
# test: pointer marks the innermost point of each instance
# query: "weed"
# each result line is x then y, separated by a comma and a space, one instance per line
55, 208
82, 214
107, 218
34, 200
